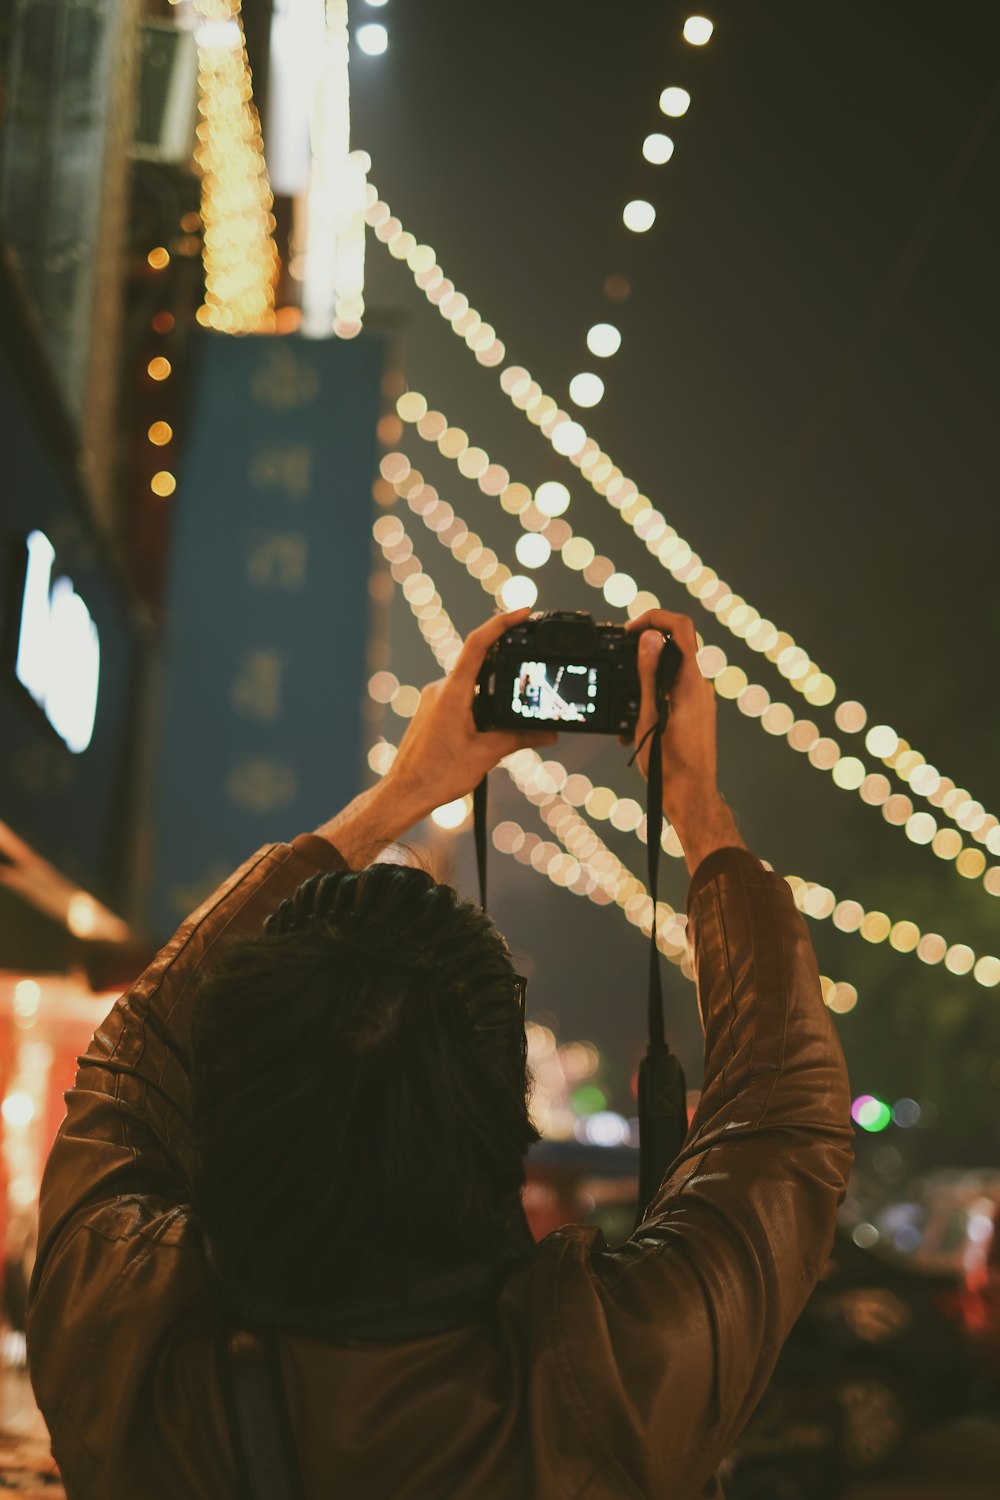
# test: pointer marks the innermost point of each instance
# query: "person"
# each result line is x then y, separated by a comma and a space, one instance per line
325, 1138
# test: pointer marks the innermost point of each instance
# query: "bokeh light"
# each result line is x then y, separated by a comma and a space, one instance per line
552, 498
532, 550
452, 815
620, 590
638, 215
372, 38
163, 483
657, 149
675, 102
870, 1113
586, 389
519, 592
698, 30
906, 1113
603, 339
568, 437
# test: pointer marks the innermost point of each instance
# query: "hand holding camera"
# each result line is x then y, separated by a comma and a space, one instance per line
691, 798
567, 671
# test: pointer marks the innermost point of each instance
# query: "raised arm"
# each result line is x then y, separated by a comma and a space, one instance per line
672, 1337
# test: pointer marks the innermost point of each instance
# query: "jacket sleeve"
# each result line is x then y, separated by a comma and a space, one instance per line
669, 1341
119, 1258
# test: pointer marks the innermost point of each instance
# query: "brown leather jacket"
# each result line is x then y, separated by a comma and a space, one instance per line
600, 1373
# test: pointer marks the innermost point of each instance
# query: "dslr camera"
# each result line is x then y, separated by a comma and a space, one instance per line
569, 671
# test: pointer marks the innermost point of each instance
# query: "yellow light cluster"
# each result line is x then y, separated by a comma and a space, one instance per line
334, 281
241, 261
820, 903
753, 700
433, 620
671, 550
480, 561
421, 259
589, 867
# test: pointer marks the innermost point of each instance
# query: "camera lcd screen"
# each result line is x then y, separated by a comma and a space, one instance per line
555, 692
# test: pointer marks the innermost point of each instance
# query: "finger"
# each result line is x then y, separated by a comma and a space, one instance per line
479, 641
505, 742
681, 627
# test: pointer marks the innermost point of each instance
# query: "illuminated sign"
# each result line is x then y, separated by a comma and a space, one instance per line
58, 649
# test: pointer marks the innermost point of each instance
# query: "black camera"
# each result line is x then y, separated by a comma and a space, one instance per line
566, 670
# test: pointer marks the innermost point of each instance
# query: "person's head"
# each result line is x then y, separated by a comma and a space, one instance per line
360, 1089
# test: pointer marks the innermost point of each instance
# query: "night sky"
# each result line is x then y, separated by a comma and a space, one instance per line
806, 388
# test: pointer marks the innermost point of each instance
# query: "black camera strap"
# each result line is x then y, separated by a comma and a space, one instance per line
662, 1090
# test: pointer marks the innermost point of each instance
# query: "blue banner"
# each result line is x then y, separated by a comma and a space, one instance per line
268, 604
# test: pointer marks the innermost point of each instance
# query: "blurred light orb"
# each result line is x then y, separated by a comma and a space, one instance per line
698, 30
552, 498
851, 716
987, 972
519, 592
638, 216
604, 340
870, 1113
620, 590
163, 483
18, 1109
586, 389
882, 741
606, 1129
568, 438
452, 815
532, 550
657, 148
675, 102
372, 38
906, 1113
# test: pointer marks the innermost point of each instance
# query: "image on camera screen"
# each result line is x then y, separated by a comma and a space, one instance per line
556, 692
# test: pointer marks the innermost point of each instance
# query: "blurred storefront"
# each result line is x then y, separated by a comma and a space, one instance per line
70, 675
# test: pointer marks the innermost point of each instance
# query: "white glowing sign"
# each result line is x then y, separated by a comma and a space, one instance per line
58, 649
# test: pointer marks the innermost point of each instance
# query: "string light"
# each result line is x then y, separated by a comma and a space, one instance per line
548, 784
697, 30
334, 272
657, 149
604, 339
675, 102
586, 389
753, 700
241, 261
742, 620
372, 38
639, 215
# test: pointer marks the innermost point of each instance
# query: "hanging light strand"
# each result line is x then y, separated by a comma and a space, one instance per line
824, 754
240, 257
569, 438
558, 790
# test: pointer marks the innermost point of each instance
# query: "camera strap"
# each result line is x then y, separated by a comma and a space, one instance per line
662, 1095
662, 1090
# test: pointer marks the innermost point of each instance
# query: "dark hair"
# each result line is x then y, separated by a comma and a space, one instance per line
360, 1089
